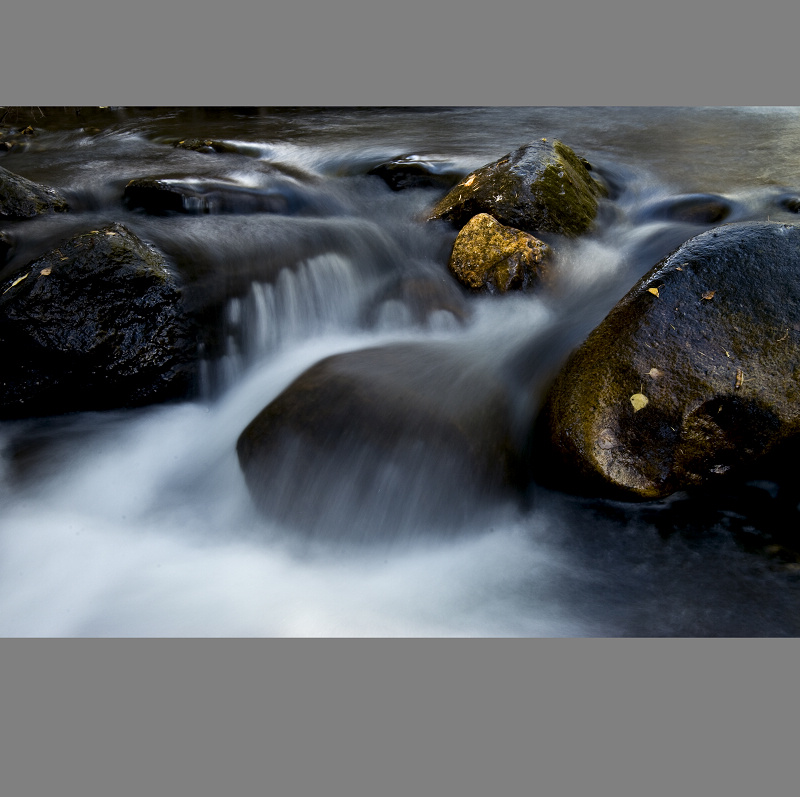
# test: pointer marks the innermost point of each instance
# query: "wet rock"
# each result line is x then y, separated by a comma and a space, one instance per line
791, 203
418, 296
693, 377
94, 324
378, 441
204, 195
5, 246
23, 199
411, 171
541, 187
705, 209
488, 256
206, 145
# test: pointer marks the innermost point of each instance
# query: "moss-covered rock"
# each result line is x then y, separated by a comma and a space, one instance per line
488, 256
541, 187
693, 376
97, 323
23, 199
380, 441
412, 171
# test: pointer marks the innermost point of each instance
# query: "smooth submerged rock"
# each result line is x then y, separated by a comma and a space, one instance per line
791, 203
5, 246
690, 208
21, 198
372, 442
693, 376
207, 145
411, 171
190, 195
420, 296
541, 187
96, 323
488, 256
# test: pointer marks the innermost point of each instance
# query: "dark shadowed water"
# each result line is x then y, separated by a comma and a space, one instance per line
138, 522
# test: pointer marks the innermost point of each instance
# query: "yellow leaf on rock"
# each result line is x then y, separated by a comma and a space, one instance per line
709, 295
639, 401
45, 272
654, 291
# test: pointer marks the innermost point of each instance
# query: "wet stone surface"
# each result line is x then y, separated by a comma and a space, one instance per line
691, 378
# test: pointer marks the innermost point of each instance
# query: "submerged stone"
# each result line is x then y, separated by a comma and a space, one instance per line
488, 256
278, 190
195, 195
380, 441
417, 298
541, 187
207, 145
96, 323
699, 209
693, 377
411, 171
21, 198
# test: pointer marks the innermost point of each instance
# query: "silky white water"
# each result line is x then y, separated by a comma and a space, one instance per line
139, 523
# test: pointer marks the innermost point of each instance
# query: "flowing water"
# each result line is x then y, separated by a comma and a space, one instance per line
138, 522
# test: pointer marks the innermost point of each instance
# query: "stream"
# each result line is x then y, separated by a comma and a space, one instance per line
138, 522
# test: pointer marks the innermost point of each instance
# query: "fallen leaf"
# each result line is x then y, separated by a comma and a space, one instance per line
739, 378
654, 291
655, 373
639, 401
45, 272
678, 268
108, 232
709, 295
470, 181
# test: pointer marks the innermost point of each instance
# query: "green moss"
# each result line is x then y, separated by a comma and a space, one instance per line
716, 353
541, 187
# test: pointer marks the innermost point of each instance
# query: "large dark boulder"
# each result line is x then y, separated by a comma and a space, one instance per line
21, 198
378, 442
488, 256
97, 323
541, 187
692, 378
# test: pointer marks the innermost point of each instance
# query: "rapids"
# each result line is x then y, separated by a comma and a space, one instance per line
138, 522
